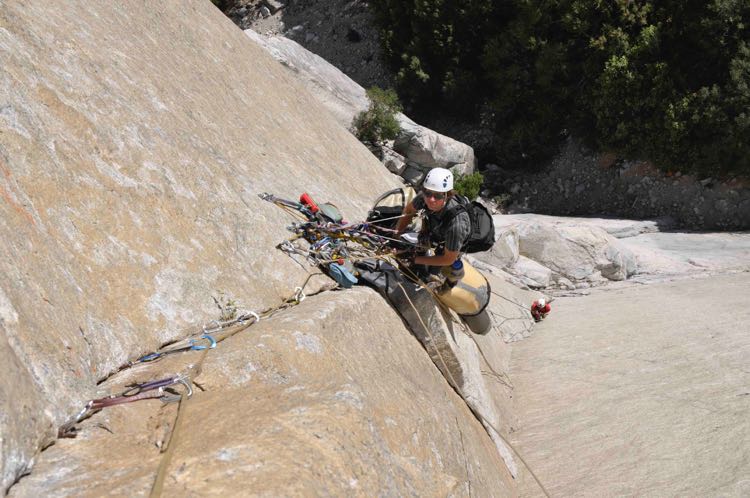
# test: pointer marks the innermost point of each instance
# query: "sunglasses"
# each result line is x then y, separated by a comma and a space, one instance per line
438, 196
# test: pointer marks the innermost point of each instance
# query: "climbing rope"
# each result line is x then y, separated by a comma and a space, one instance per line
460, 393
168, 451
328, 245
375, 244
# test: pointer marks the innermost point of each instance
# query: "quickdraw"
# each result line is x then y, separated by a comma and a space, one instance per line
191, 344
335, 246
298, 206
217, 326
155, 389
187, 345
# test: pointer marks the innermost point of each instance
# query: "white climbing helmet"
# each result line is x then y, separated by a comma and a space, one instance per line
438, 180
542, 302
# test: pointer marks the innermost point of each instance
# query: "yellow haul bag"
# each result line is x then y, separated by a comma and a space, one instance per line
468, 296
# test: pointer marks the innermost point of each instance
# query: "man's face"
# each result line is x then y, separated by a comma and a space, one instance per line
435, 201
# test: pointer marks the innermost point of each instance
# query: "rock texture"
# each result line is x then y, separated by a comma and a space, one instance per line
133, 144
134, 141
310, 402
532, 273
638, 392
429, 149
505, 252
578, 182
336, 91
663, 255
422, 148
576, 253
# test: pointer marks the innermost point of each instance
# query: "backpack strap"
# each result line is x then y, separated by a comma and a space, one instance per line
462, 204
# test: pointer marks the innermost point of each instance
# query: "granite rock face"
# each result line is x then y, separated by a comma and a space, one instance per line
134, 140
309, 402
505, 252
423, 148
577, 252
639, 392
341, 95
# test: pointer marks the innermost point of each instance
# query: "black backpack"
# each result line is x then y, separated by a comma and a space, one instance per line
482, 236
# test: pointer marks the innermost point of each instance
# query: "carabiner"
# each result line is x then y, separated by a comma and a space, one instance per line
212, 344
149, 357
171, 398
299, 294
247, 316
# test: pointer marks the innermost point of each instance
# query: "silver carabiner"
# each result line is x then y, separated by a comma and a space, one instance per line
299, 294
171, 398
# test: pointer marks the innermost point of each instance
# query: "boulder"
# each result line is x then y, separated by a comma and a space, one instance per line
576, 252
505, 252
395, 162
531, 273
432, 150
273, 5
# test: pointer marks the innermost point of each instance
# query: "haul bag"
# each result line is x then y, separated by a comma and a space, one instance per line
389, 206
468, 296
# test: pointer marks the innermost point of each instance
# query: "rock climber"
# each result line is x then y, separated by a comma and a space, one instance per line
539, 309
445, 236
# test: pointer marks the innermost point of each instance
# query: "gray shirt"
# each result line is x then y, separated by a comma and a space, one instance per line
454, 233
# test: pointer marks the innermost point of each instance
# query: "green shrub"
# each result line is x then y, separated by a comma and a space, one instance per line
434, 47
378, 123
667, 81
502, 200
673, 85
469, 185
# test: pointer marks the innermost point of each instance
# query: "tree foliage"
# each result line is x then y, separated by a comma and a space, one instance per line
378, 123
469, 185
667, 81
